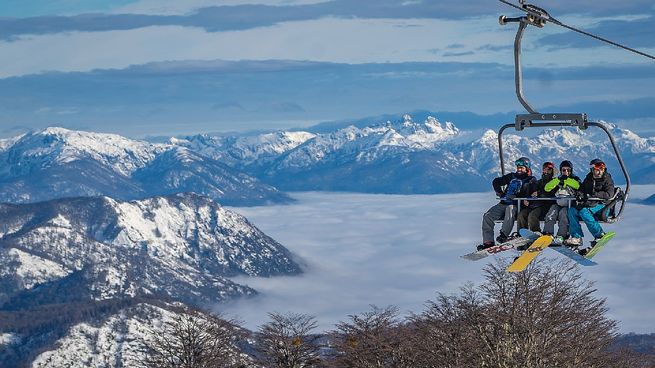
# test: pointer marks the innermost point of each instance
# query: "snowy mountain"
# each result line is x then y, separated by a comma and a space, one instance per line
244, 150
95, 248
402, 156
56, 163
95, 335
418, 157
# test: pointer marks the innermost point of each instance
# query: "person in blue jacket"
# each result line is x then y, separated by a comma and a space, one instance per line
507, 187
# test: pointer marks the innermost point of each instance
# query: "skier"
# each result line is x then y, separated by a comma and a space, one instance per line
565, 185
530, 216
597, 184
516, 185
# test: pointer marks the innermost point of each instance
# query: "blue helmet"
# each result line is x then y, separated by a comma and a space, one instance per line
523, 161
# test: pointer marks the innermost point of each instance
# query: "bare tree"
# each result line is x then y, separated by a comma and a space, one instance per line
286, 341
373, 339
546, 316
194, 340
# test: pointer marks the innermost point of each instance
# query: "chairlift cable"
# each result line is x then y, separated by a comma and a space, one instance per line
549, 18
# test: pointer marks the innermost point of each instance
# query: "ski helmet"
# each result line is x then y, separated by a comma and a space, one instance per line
523, 161
566, 163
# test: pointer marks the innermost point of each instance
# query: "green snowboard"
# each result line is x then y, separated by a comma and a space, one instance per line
600, 244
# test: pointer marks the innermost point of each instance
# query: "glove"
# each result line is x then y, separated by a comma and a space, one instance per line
499, 194
581, 197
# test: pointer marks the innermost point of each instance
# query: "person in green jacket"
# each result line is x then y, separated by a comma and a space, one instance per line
565, 185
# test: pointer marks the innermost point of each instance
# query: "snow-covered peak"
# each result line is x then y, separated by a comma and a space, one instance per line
244, 150
562, 138
59, 145
489, 137
429, 132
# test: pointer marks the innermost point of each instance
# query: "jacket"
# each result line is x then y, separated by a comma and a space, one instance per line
539, 186
563, 186
513, 187
602, 188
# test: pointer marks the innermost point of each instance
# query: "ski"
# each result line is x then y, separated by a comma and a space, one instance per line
533, 251
600, 244
573, 255
512, 244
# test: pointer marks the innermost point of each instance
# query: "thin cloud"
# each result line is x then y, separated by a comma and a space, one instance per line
252, 15
156, 98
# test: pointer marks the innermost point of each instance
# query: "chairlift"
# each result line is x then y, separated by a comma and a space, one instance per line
538, 17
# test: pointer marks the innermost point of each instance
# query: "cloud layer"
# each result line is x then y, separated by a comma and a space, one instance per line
402, 250
172, 98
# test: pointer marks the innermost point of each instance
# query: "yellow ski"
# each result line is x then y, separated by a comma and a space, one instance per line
526, 257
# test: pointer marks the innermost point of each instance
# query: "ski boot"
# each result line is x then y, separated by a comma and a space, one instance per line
485, 245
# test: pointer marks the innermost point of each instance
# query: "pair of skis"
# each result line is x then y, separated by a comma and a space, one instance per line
537, 244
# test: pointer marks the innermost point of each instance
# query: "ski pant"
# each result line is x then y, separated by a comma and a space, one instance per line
505, 212
560, 215
529, 218
585, 214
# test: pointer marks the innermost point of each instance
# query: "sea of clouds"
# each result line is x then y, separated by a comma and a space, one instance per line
362, 249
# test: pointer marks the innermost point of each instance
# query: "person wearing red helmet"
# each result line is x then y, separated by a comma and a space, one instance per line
516, 184
534, 211
597, 184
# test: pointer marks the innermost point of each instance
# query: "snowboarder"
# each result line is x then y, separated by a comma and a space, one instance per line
565, 185
516, 185
534, 211
597, 184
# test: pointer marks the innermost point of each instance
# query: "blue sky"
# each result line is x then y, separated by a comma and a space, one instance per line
160, 67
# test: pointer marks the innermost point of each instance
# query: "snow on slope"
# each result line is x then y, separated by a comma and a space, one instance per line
59, 145
181, 246
118, 341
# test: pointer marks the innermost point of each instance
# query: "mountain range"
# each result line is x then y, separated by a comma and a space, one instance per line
409, 157
56, 162
402, 156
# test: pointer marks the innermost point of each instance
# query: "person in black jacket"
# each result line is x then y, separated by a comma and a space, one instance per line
534, 211
597, 184
507, 187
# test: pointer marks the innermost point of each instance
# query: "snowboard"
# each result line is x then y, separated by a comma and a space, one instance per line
512, 244
564, 250
600, 244
533, 251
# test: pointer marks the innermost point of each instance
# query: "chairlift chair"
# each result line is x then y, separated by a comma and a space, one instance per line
538, 17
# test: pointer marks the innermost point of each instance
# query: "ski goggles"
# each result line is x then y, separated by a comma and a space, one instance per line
598, 166
567, 169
